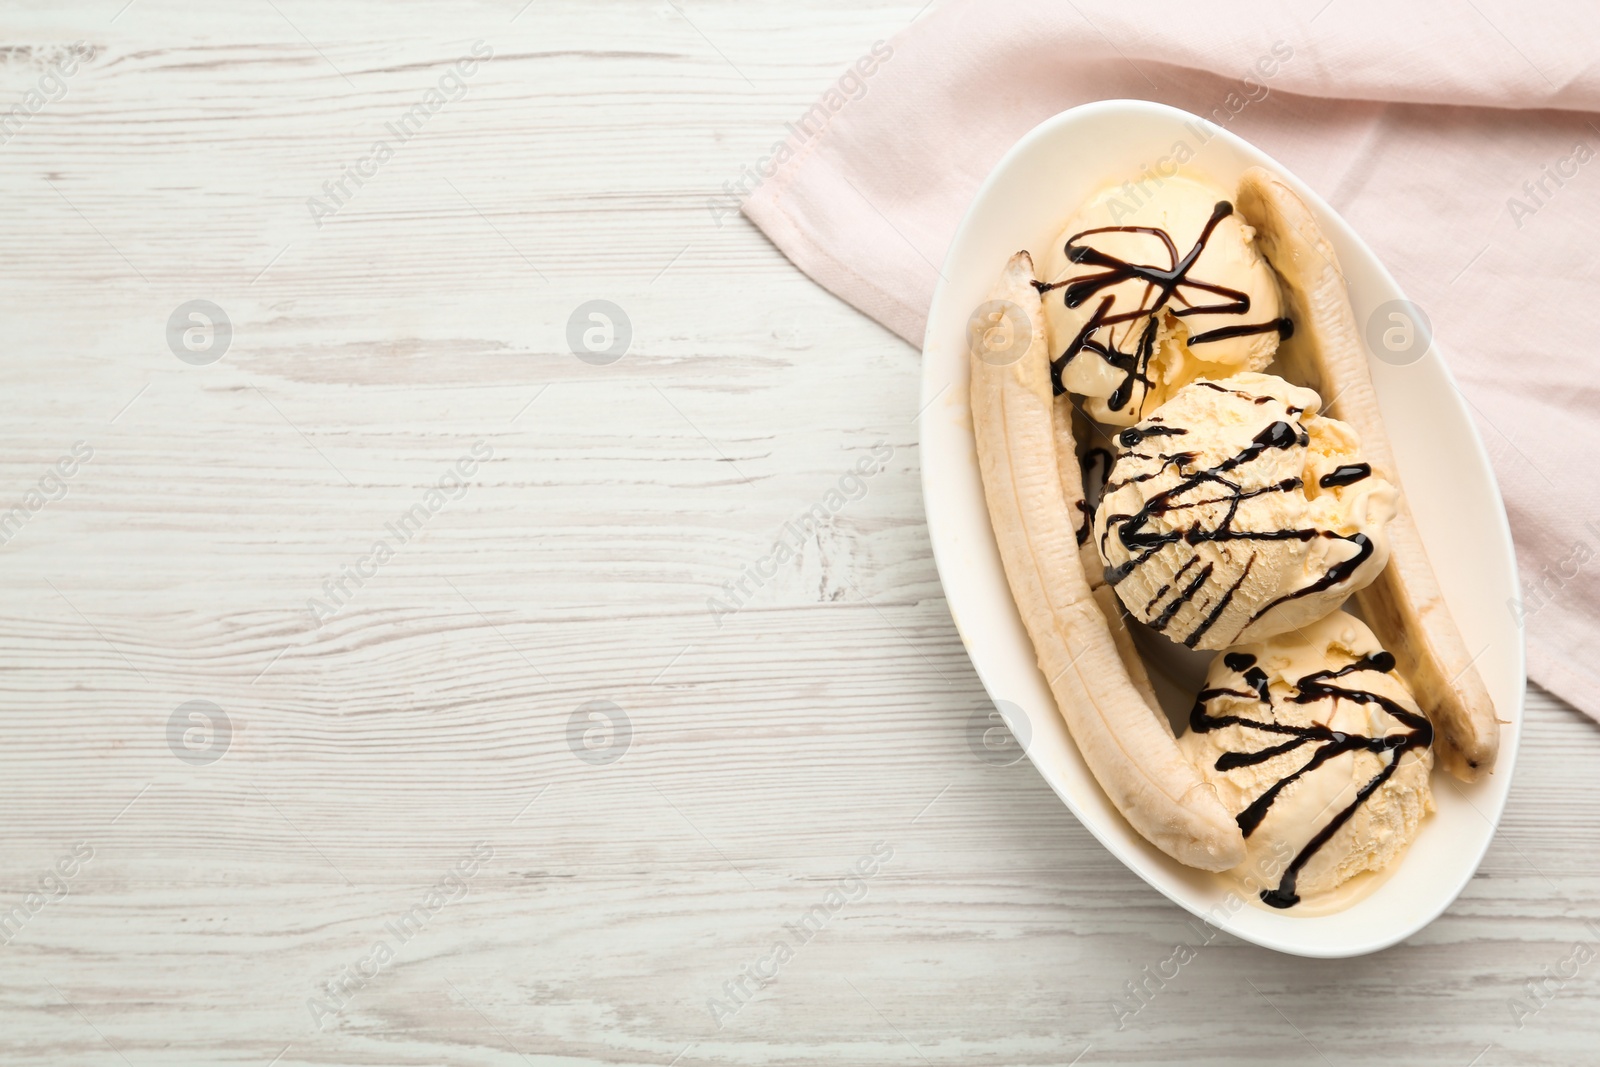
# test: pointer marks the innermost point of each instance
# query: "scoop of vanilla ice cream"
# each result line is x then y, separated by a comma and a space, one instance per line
1319, 749
1235, 512
1152, 286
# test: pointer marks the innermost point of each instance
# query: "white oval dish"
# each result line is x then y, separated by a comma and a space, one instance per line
1443, 467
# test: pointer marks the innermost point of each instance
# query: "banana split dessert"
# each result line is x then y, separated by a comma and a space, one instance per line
1185, 445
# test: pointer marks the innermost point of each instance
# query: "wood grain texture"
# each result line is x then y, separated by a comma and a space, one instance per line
770, 749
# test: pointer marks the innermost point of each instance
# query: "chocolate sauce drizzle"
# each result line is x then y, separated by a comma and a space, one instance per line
1094, 468
1144, 540
1349, 474
1163, 286
1085, 520
1328, 744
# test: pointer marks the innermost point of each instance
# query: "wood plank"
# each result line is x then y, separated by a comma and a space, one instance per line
369, 751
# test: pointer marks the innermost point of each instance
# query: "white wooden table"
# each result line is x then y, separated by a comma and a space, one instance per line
400, 765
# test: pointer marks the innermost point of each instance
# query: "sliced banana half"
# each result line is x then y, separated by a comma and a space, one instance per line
1404, 605
1034, 491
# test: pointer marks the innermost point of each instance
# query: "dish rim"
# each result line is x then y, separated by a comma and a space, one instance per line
929, 426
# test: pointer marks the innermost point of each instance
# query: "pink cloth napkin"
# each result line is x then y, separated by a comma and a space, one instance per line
1461, 140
